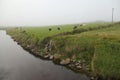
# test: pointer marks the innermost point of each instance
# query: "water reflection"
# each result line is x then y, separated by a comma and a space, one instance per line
18, 64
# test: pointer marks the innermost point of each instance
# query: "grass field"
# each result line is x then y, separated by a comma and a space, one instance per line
43, 32
98, 44
100, 48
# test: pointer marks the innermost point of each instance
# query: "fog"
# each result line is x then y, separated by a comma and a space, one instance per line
55, 12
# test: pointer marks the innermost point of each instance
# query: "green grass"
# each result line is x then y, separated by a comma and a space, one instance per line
97, 44
43, 32
107, 59
104, 43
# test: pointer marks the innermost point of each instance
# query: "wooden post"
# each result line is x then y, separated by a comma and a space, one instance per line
112, 14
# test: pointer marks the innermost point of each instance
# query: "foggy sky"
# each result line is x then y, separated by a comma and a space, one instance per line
52, 12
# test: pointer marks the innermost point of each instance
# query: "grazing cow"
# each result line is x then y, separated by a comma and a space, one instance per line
50, 29
58, 28
82, 24
75, 27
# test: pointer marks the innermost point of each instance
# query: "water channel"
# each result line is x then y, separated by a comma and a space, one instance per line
18, 64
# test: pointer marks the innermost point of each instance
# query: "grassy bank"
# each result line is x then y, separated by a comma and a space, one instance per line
93, 49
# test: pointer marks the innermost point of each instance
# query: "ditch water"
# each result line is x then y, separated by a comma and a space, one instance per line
18, 64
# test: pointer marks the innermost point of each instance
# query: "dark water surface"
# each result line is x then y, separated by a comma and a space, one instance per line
18, 64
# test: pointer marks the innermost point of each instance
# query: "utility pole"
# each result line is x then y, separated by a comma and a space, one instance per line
112, 14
